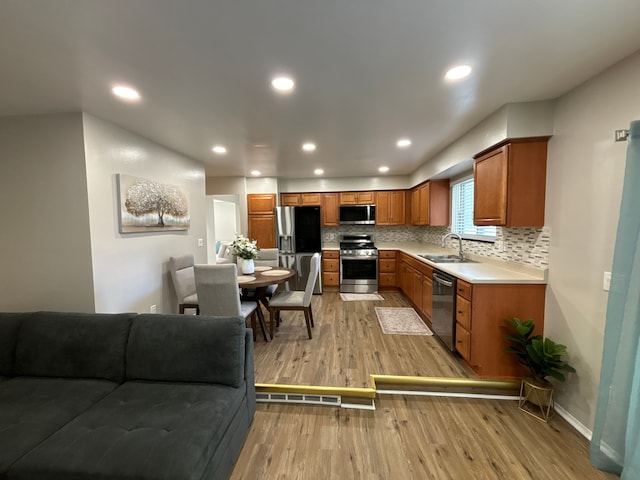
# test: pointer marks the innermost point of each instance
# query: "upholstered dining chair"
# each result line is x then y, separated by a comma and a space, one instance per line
184, 282
219, 294
296, 300
267, 257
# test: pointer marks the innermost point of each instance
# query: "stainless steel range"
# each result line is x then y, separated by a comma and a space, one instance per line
358, 264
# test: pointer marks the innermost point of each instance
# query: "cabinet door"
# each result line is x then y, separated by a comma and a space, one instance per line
261, 203
490, 175
415, 206
289, 199
416, 285
365, 198
262, 229
383, 208
310, 199
463, 342
427, 296
330, 209
397, 211
348, 198
423, 216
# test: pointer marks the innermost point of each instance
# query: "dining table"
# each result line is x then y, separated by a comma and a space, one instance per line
260, 279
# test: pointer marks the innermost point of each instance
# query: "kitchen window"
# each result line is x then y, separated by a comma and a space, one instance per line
462, 213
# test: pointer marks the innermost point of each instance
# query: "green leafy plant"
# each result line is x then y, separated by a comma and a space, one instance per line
542, 356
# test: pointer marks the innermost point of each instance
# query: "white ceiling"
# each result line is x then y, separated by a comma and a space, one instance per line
367, 71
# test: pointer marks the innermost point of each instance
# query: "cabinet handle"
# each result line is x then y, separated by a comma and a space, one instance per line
459, 311
459, 341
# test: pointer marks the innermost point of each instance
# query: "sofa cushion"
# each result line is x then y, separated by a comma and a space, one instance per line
9, 327
210, 350
31, 409
82, 345
142, 430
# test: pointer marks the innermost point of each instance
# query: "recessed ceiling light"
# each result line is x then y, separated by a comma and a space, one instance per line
403, 143
219, 149
383, 169
283, 84
125, 93
255, 173
318, 171
458, 72
309, 147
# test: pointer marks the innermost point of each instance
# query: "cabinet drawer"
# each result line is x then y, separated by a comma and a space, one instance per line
463, 342
386, 266
463, 289
463, 312
330, 279
331, 253
387, 280
330, 265
386, 254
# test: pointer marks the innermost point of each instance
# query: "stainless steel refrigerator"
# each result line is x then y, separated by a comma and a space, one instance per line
298, 237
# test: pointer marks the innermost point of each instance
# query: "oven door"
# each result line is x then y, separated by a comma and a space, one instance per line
358, 274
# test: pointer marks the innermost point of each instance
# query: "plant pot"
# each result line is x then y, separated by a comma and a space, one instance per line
247, 265
536, 398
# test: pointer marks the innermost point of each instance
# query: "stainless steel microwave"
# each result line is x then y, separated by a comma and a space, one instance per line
357, 214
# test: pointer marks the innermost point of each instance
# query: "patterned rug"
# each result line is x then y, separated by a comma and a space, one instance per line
354, 297
401, 321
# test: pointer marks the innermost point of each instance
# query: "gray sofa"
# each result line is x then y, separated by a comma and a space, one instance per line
123, 396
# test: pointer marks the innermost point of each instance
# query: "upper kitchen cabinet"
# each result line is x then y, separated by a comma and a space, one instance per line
390, 207
329, 210
509, 183
261, 203
300, 199
261, 221
357, 198
430, 203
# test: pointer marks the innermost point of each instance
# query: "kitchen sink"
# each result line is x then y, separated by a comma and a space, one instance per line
446, 259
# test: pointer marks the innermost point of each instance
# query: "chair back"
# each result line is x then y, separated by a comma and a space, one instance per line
183, 276
314, 269
218, 291
267, 257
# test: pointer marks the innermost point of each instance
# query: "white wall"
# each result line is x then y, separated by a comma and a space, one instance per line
130, 271
585, 171
343, 184
46, 248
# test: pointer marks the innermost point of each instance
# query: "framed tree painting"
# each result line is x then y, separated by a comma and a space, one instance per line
148, 206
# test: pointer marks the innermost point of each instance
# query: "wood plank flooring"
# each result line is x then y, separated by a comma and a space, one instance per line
407, 437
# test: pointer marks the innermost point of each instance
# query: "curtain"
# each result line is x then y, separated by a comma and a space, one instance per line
614, 446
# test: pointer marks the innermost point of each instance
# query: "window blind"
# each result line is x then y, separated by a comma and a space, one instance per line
462, 213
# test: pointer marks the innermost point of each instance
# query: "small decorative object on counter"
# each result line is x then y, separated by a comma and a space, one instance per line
246, 250
543, 358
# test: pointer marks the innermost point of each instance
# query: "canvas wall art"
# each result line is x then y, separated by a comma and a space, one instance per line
148, 206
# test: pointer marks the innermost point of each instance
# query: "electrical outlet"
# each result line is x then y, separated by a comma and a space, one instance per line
606, 281
152, 309
201, 242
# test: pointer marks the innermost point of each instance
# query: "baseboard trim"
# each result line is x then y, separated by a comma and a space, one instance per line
574, 422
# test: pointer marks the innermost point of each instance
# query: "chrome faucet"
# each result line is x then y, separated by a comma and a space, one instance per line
451, 234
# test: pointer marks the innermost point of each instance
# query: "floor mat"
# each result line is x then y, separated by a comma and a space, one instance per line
401, 321
354, 297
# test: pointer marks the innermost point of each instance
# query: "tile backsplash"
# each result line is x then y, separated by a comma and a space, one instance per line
528, 246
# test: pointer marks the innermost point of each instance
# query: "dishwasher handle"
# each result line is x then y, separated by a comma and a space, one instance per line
442, 281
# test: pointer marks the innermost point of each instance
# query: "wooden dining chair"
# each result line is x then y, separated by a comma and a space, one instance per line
219, 294
183, 277
296, 300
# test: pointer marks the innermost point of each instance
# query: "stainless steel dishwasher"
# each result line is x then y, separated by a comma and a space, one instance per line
443, 318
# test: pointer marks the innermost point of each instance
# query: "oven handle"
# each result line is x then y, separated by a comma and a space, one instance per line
442, 281
342, 257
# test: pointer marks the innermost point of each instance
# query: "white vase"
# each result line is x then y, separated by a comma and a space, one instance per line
247, 265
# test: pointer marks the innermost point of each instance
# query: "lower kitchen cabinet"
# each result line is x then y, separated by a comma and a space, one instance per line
330, 268
387, 269
415, 281
482, 311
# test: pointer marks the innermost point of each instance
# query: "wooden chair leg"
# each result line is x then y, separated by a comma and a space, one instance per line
181, 307
311, 316
254, 324
307, 321
272, 313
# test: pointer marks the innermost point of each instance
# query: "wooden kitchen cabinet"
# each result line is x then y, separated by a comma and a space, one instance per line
430, 203
329, 209
331, 268
390, 207
415, 281
261, 219
387, 269
509, 183
357, 198
482, 311
300, 199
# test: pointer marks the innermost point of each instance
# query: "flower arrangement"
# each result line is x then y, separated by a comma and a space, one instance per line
244, 248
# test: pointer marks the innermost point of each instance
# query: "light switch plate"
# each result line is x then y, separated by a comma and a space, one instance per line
606, 281
201, 242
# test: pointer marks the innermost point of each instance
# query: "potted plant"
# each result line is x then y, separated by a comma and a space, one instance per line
543, 358
247, 250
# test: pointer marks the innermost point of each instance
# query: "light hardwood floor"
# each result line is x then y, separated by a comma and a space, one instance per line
406, 437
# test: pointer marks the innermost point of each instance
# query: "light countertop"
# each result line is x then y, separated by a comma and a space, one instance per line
487, 270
